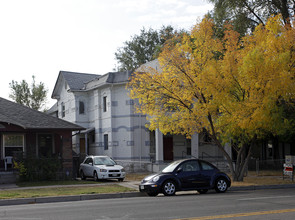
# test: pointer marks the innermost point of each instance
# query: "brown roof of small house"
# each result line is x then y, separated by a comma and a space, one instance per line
27, 118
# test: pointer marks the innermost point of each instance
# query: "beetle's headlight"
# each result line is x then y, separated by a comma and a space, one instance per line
155, 179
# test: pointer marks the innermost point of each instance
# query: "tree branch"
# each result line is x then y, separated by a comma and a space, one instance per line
253, 12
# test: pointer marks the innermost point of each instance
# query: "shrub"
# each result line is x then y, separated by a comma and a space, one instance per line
38, 169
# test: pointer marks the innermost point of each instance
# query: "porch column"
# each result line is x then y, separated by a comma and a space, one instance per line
67, 156
195, 145
159, 146
86, 143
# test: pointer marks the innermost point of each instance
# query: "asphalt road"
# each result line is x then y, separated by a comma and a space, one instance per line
233, 205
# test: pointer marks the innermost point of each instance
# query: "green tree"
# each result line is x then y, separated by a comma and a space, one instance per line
33, 96
245, 15
142, 48
232, 87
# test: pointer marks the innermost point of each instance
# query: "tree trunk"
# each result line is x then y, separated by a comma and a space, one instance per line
238, 171
243, 157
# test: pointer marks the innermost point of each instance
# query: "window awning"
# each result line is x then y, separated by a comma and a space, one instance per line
88, 130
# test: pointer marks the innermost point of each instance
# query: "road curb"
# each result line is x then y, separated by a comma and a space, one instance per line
51, 199
240, 188
23, 201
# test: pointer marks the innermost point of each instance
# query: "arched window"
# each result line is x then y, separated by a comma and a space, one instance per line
63, 110
81, 108
104, 104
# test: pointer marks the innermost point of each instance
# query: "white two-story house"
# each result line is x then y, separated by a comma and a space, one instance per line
101, 104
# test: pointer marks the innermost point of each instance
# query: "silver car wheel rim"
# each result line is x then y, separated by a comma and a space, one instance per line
169, 188
221, 185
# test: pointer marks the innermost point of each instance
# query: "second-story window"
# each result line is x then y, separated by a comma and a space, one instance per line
106, 141
81, 108
63, 110
104, 103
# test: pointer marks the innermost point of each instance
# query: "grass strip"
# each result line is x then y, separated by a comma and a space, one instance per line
52, 183
62, 191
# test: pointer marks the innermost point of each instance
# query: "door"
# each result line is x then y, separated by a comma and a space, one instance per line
189, 175
82, 146
45, 145
207, 173
168, 148
88, 167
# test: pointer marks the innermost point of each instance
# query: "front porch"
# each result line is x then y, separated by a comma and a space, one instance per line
167, 148
48, 150
8, 177
164, 149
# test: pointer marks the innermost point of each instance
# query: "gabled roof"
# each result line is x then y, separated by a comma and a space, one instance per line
27, 118
118, 77
76, 81
85, 81
52, 109
154, 64
108, 78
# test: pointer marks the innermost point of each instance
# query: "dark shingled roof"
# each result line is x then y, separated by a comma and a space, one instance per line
76, 81
118, 77
27, 118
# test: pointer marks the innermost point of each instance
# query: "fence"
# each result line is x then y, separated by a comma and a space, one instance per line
135, 166
148, 166
265, 165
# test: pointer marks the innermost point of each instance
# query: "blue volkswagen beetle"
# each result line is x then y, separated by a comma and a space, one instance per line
184, 175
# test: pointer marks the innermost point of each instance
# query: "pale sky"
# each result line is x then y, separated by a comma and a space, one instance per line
42, 37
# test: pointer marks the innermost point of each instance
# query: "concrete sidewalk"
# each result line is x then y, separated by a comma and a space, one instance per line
128, 184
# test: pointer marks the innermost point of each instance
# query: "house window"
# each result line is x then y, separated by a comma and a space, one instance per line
106, 141
12, 143
45, 145
104, 104
63, 110
81, 108
130, 102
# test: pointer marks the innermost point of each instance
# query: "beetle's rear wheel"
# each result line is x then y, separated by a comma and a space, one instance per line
221, 185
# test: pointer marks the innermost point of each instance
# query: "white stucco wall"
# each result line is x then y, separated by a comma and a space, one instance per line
180, 145
128, 139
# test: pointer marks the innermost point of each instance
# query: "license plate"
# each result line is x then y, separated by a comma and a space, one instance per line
114, 175
141, 187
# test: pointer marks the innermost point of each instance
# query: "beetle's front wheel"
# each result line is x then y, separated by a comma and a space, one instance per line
169, 188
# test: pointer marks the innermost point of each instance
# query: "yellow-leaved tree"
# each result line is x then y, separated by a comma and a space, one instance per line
237, 89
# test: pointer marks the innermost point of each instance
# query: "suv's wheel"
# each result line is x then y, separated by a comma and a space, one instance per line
169, 188
95, 176
83, 177
221, 185
121, 179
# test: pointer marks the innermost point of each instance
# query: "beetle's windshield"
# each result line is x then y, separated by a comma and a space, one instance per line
170, 167
104, 161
